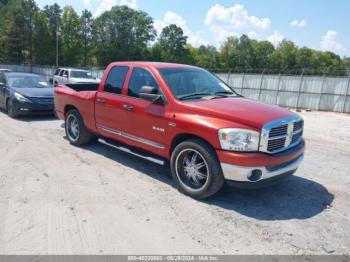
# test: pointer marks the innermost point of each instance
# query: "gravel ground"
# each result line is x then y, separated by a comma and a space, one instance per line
60, 199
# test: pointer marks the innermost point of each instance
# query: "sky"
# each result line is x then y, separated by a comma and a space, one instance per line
321, 25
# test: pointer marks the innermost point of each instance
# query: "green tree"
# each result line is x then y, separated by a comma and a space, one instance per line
71, 38
285, 57
206, 57
53, 13
263, 51
229, 56
86, 21
122, 34
13, 33
41, 39
173, 42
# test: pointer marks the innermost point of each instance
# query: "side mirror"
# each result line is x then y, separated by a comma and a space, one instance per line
150, 93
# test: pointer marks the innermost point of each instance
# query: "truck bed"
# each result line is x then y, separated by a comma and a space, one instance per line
79, 96
83, 87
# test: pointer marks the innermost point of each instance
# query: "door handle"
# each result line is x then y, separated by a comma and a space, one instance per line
128, 108
100, 101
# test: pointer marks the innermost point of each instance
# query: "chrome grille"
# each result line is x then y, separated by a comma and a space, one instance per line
278, 131
298, 125
281, 134
276, 144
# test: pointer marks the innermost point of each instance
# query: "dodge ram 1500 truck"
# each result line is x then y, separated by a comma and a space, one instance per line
185, 115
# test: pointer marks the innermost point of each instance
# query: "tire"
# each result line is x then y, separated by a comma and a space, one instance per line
76, 131
189, 170
11, 111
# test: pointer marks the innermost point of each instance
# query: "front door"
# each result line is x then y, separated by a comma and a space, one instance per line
147, 123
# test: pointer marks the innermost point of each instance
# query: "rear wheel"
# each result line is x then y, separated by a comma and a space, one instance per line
76, 131
196, 170
11, 111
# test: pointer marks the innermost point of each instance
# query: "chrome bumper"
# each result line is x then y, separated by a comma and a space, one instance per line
244, 174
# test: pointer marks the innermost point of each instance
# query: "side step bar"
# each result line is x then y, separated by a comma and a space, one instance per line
127, 150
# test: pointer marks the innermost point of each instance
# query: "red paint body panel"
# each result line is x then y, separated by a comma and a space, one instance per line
153, 122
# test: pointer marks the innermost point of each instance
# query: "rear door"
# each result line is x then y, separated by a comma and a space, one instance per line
109, 112
65, 77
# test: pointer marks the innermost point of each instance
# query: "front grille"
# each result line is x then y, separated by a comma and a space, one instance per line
282, 134
43, 100
298, 125
296, 137
278, 131
276, 144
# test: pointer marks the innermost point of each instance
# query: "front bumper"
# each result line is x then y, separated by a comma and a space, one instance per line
24, 108
246, 174
259, 168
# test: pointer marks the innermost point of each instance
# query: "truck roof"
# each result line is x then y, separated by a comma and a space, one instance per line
153, 64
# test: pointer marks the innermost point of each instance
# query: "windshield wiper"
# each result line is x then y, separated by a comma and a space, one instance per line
230, 93
194, 95
224, 93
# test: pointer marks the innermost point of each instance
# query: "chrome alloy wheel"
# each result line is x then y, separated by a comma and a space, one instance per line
72, 127
192, 169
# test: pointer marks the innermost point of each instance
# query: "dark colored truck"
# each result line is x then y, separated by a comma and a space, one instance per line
185, 115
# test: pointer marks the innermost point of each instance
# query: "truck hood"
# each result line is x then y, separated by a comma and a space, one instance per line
237, 109
35, 92
75, 80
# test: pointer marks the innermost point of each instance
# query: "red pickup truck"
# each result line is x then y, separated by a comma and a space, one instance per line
184, 114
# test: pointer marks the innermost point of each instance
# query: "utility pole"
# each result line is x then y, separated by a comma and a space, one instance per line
57, 38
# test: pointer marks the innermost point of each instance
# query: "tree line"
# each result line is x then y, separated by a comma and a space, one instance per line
28, 35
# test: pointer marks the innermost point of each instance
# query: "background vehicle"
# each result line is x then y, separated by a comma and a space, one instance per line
5, 70
23, 93
184, 114
73, 76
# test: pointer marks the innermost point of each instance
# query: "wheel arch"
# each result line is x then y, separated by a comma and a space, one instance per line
178, 139
69, 107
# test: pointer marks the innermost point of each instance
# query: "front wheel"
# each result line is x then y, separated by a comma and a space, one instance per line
11, 110
196, 169
76, 131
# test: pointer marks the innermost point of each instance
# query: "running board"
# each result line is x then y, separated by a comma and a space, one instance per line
127, 150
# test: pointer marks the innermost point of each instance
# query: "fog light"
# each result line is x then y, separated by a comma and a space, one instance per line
255, 175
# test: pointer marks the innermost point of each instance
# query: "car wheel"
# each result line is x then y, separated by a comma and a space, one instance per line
76, 131
196, 169
11, 111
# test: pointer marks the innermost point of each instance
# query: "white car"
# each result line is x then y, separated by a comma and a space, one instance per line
73, 76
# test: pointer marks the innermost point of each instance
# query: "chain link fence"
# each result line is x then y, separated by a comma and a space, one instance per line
323, 93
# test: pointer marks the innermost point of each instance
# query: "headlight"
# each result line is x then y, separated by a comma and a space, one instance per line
237, 139
21, 98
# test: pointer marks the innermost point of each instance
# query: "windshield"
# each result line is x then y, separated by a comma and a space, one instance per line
27, 81
81, 74
192, 83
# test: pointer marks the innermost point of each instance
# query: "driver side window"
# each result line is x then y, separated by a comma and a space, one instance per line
139, 78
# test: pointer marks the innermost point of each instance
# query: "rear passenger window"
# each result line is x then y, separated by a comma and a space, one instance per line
61, 73
115, 80
139, 78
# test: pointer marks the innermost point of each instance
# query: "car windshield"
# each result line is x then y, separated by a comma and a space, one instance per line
192, 83
80, 74
26, 81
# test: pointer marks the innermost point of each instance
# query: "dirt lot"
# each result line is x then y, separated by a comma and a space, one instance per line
59, 199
